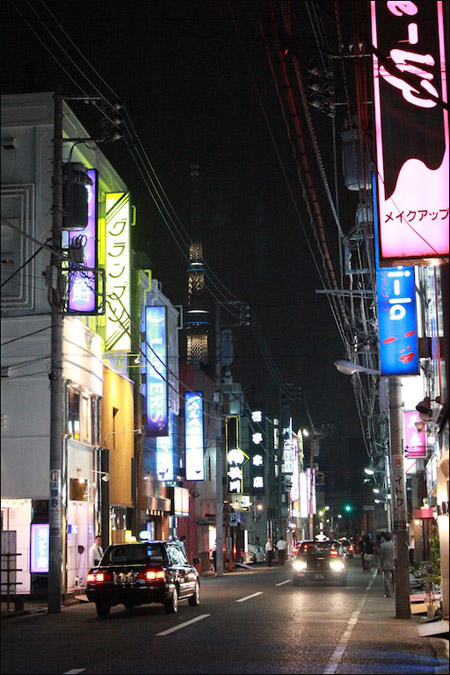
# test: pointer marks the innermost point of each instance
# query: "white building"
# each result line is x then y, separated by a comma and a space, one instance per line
26, 179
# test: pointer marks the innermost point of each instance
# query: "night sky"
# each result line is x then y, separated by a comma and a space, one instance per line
195, 81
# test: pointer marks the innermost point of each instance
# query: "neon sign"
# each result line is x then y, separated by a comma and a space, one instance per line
411, 129
164, 454
415, 435
156, 365
83, 287
195, 469
118, 271
39, 548
397, 322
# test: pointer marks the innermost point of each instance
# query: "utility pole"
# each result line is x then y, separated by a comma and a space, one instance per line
398, 490
312, 447
56, 533
219, 452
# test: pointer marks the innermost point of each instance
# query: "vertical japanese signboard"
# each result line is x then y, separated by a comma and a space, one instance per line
194, 441
164, 454
257, 453
235, 456
156, 370
397, 321
83, 285
411, 129
398, 493
118, 253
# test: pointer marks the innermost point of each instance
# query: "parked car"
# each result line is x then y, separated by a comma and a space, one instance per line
255, 554
348, 547
320, 561
141, 573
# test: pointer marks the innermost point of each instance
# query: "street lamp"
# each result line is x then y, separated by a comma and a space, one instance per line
402, 601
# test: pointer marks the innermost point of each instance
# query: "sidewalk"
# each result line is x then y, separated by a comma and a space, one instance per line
378, 627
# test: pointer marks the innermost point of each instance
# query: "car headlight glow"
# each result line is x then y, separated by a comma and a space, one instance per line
337, 565
299, 565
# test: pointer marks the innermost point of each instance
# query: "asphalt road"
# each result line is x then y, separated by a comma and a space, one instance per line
251, 621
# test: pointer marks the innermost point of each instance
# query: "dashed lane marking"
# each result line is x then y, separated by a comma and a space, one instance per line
247, 597
288, 581
183, 625
336, 656
74, 671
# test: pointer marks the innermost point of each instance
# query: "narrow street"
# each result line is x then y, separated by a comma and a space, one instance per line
249, 621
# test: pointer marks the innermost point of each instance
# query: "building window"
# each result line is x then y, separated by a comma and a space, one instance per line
73, 413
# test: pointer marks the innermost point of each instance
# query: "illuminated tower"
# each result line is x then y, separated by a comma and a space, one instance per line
197, 316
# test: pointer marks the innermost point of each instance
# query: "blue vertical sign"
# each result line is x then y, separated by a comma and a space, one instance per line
164, 454
194, 441
397, 316
156, 367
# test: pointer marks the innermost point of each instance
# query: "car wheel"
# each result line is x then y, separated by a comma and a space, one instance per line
171, 606
128, 605
103, 609
194, 599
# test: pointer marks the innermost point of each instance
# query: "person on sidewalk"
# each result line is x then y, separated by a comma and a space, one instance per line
387, 564
378, 541
281, 548
96, 552
269, 552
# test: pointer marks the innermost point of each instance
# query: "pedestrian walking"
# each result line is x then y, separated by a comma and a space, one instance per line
96, 552
387, 564
281, 548
378, 541
269, 552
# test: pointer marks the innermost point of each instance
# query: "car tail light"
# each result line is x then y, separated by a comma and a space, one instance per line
99, 577
351, 547
151, 575
333, 553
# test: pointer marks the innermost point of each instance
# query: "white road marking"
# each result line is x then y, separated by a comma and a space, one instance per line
288, 581
183, 625
74, 671
336, 656
247, 597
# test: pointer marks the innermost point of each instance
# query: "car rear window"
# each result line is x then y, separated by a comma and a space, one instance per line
148, 553
312, 547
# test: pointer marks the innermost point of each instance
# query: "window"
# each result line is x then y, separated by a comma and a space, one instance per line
73, 413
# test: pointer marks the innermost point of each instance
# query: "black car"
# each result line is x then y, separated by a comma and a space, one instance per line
321, 561
141, 573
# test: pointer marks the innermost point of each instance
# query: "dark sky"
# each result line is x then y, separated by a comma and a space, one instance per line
187, 79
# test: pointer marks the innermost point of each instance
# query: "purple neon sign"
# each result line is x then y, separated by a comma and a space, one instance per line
83, 284
156, 366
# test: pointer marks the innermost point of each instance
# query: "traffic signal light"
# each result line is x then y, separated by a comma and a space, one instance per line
348, 507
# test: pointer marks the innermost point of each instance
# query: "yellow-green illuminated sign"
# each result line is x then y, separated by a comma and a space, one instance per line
118, 272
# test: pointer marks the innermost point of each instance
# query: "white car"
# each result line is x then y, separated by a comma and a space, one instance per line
254, 554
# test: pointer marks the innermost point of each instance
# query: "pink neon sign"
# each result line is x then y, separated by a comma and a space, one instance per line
415, 438
411, 129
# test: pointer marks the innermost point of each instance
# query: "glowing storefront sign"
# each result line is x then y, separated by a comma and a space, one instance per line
415, 439
399, 350
39, 548
118, 271
164, 454
83, 286
411, 129
194, 442
156, 368
235, 456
